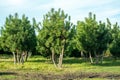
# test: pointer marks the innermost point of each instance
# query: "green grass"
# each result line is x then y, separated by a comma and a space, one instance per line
7, 77
70, 65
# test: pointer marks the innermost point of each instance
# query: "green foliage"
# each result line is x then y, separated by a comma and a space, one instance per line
56, 27
58, 36
115, 44
55, 32
18, 34
92, 36
103, 37
86, 33
0, 43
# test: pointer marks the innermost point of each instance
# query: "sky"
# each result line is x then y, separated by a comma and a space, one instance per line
77, 9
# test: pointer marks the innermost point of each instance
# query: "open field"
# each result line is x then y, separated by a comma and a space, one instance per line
39, 68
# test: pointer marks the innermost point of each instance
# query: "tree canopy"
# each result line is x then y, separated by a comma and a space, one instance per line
55, 33
93, 37
57, 37
18, 35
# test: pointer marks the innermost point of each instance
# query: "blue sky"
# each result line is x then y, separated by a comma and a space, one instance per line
77, 9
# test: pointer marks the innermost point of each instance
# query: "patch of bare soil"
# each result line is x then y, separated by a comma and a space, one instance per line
67, 76
82, 76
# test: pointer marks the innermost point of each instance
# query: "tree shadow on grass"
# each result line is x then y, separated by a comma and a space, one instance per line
6, 61
108, 64
38, 60
7, 73
73, 61
65, 61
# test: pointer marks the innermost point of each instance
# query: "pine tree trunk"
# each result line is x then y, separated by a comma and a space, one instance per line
82, 55
91, 60
18, 58
23, 56
26, 56
96, 58
53, 58
61, 58
101, 58
22, 59
15, 58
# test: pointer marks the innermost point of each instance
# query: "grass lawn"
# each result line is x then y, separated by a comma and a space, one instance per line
73, 68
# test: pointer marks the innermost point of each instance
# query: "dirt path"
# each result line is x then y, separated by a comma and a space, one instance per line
75, 76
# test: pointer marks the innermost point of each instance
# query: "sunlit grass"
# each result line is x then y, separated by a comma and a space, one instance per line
70, 65
7, 77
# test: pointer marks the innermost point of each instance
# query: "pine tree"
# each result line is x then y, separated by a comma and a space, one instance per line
18, 36
115, 44
92, 37
55, 33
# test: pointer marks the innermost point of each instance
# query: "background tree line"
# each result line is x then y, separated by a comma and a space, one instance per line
58, 37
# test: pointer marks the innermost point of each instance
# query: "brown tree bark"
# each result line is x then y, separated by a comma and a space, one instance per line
53, 58
18, 57
96, 57
90, 56
26, 55
61, 58
15, 57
